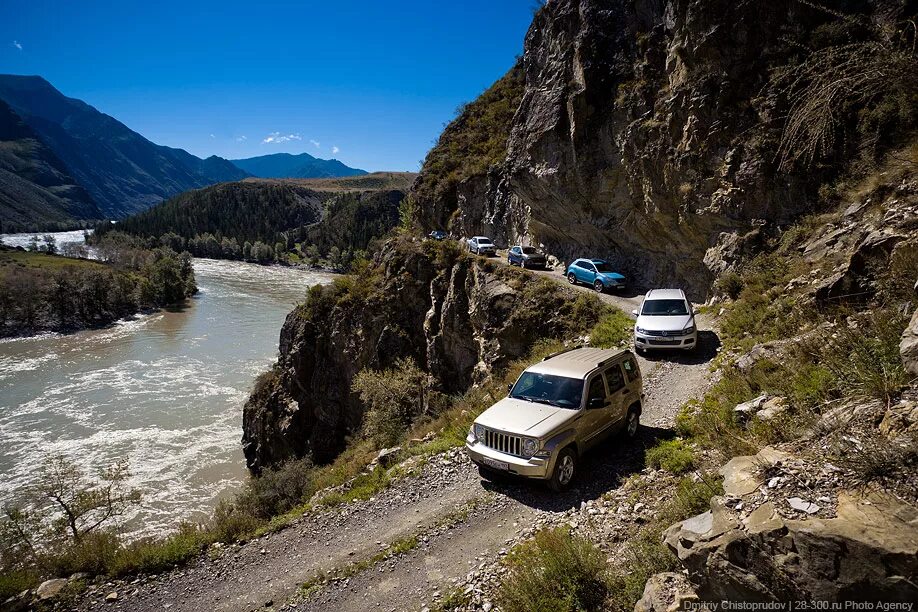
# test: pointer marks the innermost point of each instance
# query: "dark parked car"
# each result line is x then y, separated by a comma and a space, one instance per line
595, 272
526, 257
437, 235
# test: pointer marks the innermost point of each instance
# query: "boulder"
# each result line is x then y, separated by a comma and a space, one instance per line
50, 588
666, 592
774, 407
745, 410
387, 456
868, 551
900, 418
908, 346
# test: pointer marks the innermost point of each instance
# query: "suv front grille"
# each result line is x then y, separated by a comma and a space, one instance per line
651, 332
504, 443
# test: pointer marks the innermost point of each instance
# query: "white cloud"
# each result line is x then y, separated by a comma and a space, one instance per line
316, 143
212, 136
277, 137
17, 44
335, 150
242, 139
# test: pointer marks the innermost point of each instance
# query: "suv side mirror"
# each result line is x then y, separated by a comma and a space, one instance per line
634, 312
694, 311
596, 402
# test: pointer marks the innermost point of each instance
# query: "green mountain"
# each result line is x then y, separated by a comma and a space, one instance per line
304, 165
122, 171
36, 190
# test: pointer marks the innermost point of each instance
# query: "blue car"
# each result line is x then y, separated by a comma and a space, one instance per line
437, 235
596, 273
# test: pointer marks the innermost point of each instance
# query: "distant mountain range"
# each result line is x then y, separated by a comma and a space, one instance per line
62, 161
304, 165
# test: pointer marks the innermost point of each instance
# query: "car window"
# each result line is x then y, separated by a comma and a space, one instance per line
530, 250
515, 250
548, 389
631, 370
588, 266
614, 379
484, 241
664, 308
597, 389
603, 267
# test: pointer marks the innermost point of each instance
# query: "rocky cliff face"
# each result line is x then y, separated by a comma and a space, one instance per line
457, 316
646, 133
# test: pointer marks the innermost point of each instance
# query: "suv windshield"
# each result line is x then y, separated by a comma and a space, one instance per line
548, 389
530, 250
484, 242
603, 266
664, 307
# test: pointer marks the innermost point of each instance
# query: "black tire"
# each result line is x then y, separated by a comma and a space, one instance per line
565, 470
632, 423
598, 287
572, 278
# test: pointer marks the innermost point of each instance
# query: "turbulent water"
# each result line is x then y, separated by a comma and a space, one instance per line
164, 391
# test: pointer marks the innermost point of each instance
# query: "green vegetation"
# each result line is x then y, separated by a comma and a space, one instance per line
555, 572
394, 398
674, 456
473, 142
40, 291
612, 330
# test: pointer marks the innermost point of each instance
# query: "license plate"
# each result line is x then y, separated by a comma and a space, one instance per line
499, 465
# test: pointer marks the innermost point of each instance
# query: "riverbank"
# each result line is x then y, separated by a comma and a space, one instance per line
43, 292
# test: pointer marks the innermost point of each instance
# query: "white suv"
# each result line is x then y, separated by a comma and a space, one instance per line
557, 410
665, 320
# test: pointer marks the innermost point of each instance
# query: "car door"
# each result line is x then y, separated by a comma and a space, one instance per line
595, 411
619, 396
515, 255
589, 272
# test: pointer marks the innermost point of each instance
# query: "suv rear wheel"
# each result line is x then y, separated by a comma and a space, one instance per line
572, 278
632, 423
565, 470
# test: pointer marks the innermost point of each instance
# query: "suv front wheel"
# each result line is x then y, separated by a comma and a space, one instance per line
572, 278
598, 286
565, 470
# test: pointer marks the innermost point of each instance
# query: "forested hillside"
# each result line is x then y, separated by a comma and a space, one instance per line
268, 220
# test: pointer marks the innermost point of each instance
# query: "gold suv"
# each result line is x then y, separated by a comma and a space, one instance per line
558, 409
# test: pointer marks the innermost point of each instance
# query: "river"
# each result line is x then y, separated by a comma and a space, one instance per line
164, 391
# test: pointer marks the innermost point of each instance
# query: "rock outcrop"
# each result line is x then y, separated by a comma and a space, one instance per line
908, 347
647, 133
458, 317
783, 549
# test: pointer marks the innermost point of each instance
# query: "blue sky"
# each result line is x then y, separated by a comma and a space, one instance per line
368, 82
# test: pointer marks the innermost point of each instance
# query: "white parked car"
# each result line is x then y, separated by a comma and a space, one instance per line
557, 410
481, 245
665, 320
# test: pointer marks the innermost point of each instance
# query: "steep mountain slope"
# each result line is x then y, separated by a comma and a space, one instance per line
35, 188
304, 165
653, 133
123, 171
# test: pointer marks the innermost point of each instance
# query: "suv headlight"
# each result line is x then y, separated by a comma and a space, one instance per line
478, 431
530, 446
640, 330
688, 330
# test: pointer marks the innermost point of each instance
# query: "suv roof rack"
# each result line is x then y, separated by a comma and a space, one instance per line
567, 350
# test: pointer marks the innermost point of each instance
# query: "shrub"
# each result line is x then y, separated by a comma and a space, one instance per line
278, 489
394, 398
730, 284
612, 330
671, 455
555, 571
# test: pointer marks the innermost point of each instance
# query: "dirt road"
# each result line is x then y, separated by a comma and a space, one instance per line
460, 521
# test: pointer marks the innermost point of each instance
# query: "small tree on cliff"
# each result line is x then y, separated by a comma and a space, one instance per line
66, 507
